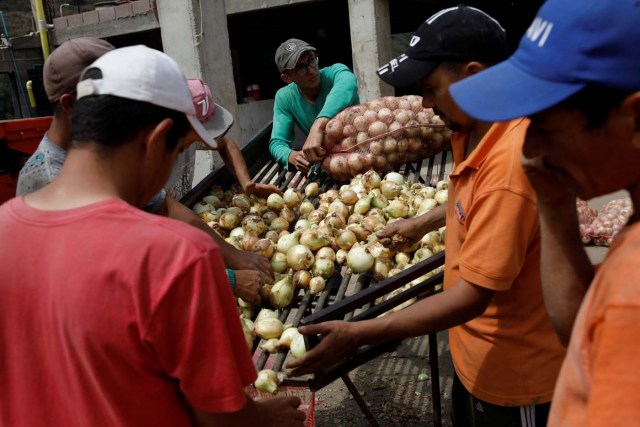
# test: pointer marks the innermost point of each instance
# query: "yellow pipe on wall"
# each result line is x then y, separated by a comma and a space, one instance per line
42, 29
32, 98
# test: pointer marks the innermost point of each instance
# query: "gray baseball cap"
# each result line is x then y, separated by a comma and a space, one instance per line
289, 52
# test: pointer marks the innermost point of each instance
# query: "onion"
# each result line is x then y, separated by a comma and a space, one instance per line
346, 239
376, 147
314, 241
275, 202
402, 116
338, 167
329, 196
300, 257
394, 177
380, 163
305, 208
402, 258
403, 145
242, 201
237, 232
317, 285
267, 381
421, 254
279, 262
390, 145
359, 259
360, 232
202, 207
301, 279
287, 241
390, 189
326, 253
279, 224
288, 214
292, 198
362, 205
386, 116
248, 242
288, 335
282, 293
340, 208
391, 102
348, 197
348, 130
381, 268
229, 220
376, 105
323, 268
268, 327
264, 247
315, 216
377, 128
355, 218
341, 256
271, 345
416, 105
371, 179
335, 220
395, 128
311, 190
367, 161
235, 242
333, 129
370, 115
360, 123
361, 137
442, 184
254, 225
269, 216
415, 145
442, 197
301, 224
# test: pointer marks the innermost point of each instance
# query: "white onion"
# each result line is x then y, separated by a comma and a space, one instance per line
301, 279
377, 128
323, 268
442, 197
359, 259
279, 262
326, 253
317, 285
305, 208
287, 241
311, 190
279, 224
300, 257
394, 177
390, 145
346, 239
341, 256
292, 198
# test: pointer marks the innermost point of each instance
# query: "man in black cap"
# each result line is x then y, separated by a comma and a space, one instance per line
312, 97
504, 348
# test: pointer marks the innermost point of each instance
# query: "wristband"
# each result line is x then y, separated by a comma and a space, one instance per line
232, 278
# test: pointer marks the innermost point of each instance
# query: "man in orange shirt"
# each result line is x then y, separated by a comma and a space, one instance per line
503, 345
577, 74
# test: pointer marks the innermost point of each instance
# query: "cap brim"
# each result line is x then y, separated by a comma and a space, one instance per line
404, 71
214, 128
505, 91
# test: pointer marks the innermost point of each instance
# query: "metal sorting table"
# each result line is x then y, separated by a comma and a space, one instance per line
347, 296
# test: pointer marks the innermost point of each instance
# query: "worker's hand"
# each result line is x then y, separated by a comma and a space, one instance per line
339, 340
261, 190
549, 184
313, 149
281, 412
248, 284
236, 259
297, 159
400, 234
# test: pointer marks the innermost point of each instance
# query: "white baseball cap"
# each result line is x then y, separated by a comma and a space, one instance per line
143, 74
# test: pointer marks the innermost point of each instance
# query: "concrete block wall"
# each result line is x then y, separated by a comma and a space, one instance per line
105, 14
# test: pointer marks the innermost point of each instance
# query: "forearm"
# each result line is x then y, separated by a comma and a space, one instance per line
436, 313
280, 151
432, 220
566, 270
233, 158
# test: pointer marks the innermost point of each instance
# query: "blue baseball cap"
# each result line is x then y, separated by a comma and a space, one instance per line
568, 45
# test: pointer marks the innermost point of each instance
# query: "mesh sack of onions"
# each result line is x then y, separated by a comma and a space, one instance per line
382, 135
611, 218
586, 216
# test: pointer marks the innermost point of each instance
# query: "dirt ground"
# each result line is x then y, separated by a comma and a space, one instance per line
392, 389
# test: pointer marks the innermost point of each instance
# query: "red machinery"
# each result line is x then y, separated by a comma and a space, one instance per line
18, 140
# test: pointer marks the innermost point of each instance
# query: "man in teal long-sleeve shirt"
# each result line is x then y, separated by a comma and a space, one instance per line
311, 98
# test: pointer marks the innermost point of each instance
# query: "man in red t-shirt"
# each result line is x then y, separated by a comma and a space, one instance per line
110, 315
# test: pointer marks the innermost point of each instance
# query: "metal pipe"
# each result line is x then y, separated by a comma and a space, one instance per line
42, 29
32, 98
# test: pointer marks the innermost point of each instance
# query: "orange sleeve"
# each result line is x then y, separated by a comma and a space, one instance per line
615, 380
501, 225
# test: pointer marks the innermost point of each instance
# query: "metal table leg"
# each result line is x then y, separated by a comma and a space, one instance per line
359, 400
435, 380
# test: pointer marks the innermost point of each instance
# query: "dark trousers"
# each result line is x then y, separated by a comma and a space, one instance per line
469, 411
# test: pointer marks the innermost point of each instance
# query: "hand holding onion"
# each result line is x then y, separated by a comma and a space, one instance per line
400, 234
242, 260
261, 190
339, 339
297, 159
312, 148
248, 284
